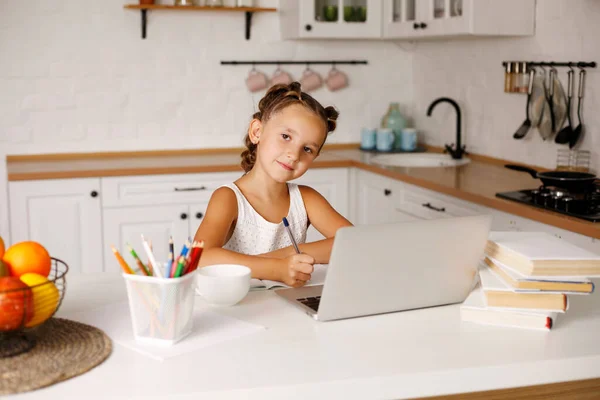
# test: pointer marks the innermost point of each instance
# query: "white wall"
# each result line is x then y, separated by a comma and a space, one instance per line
77, 77
471, 72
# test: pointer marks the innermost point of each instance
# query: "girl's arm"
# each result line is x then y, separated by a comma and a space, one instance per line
214, 231
325, 219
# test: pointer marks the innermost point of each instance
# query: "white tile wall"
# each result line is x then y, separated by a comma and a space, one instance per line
75, 75
471, 72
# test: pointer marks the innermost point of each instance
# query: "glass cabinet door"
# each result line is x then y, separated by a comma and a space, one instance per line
401, 18
445, 17
341, 18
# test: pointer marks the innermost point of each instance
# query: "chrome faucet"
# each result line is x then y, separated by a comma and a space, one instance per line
455, 151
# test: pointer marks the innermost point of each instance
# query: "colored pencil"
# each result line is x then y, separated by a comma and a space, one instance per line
122, 262
150, 265
180, 264
197, 248
151, 258
168, 266
184, 251
138, 261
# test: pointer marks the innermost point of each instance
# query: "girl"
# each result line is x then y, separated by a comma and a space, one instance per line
243, 221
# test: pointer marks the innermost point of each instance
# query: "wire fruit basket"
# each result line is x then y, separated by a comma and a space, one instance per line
24, 309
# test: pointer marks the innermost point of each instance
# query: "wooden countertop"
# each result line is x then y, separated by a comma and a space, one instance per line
477, 181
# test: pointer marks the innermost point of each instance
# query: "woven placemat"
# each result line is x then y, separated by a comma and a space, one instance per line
64, 349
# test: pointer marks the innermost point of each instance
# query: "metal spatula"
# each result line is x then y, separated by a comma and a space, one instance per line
578, 131
526, 125
565, 133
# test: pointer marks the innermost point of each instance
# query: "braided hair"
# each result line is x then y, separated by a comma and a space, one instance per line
276, 99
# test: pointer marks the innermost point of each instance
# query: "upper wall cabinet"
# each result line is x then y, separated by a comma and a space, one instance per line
341, 19
405, 19
442, 18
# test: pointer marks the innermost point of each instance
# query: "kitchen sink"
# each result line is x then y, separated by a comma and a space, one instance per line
418, 160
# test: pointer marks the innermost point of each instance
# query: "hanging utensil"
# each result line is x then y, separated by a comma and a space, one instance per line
526, 125
565, 133
550, 98
578, 131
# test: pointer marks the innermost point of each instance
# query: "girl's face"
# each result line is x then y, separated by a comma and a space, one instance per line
289, 142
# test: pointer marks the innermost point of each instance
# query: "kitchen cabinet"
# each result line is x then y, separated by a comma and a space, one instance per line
385, 200
405, 19
330, 19
157, 223
377, 200
414, 19
64, 215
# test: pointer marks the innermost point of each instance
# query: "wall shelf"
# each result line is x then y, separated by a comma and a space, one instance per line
249, 11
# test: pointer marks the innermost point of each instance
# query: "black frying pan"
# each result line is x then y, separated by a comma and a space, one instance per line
570, 180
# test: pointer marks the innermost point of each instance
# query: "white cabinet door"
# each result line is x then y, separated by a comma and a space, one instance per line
157, 223
377, 200
64, 215
342, 19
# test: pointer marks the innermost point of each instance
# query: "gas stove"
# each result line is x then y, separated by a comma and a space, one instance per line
584, 205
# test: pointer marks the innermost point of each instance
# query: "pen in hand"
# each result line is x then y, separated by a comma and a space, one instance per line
289, 231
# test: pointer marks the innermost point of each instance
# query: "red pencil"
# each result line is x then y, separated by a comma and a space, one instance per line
197, 248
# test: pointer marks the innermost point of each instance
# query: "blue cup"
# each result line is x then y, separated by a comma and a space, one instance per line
408, 139
367, 139
385, 139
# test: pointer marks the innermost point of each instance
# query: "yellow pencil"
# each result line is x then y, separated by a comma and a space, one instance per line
122, 262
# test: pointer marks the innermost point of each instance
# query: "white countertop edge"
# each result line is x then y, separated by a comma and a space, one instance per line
416, 385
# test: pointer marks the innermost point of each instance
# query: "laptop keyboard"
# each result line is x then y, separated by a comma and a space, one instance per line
311, 302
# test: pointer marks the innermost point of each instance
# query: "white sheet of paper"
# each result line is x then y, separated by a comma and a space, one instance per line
209, 328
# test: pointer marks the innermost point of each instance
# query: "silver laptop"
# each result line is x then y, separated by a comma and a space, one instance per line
377, 269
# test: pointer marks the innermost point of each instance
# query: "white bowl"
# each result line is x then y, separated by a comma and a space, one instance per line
223, 284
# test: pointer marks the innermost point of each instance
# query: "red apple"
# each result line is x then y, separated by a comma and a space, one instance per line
16, 303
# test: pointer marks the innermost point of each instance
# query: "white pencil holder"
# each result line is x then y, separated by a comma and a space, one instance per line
161, 308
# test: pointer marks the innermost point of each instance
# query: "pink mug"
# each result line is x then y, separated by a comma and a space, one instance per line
336, 80
281, 77
310, 80
256, 81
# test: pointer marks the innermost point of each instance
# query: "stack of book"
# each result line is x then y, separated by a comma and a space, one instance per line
526, 278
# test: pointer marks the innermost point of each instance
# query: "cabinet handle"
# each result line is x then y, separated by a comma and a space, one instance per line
199, 215
183, 216
308, 27
190, 189
387, 192
428, 205
416, 26
94, 193
423, 25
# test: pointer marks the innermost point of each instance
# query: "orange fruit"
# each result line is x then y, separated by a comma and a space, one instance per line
2, 247
16, 303
45, 297
26, 257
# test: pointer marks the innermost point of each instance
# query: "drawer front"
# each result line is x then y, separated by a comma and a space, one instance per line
430, 205
163, 189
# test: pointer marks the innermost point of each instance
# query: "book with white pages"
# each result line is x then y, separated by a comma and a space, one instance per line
474, 310
317, 278
528, 283
542, 254
499, 294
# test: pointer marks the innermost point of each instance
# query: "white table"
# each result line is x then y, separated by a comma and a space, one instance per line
416, 353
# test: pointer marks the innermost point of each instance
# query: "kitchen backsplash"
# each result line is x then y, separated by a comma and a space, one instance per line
76, 76
471, 72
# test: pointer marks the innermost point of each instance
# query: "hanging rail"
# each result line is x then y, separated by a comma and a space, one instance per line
281, 62
578, 64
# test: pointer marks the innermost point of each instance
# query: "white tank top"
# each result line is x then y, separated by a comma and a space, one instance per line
255, 235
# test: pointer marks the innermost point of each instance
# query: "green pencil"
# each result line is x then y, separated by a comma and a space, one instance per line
138, 261
180, 264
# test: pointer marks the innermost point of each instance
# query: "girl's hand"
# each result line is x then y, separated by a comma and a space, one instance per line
297, 269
